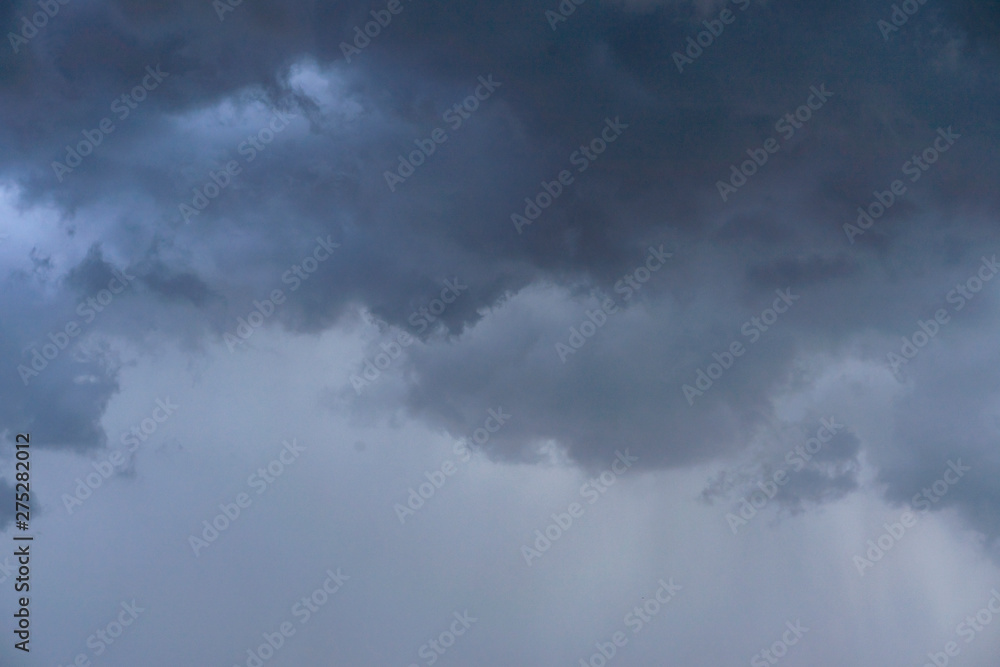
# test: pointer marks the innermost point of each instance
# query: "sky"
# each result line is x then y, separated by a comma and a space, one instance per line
597, 332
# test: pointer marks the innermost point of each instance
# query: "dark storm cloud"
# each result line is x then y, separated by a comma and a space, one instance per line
949, 416
48, 379
177, 286
657, 183
797, 469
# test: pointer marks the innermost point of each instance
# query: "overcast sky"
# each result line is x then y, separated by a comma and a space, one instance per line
625, 332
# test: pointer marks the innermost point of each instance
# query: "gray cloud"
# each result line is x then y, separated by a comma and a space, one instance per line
323, 177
